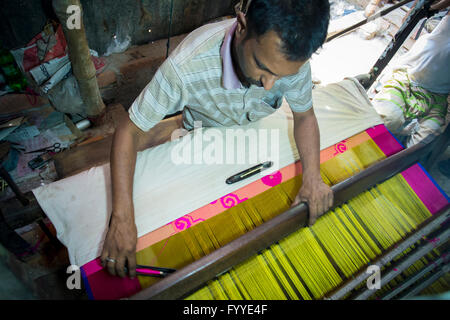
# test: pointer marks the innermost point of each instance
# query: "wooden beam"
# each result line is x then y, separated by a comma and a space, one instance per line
97, 153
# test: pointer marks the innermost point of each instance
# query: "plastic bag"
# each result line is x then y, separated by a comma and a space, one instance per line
45, 46
65, 96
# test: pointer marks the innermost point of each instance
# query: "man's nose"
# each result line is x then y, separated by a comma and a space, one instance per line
268, 81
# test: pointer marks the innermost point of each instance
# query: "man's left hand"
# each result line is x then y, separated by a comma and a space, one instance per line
317, 195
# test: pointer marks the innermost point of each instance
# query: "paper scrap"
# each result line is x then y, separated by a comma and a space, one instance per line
23, 133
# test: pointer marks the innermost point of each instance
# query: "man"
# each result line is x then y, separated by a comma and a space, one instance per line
413, 101
375, 5
223, 74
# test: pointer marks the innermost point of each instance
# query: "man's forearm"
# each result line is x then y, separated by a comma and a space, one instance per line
313, 191
119, 247
123, 163
307, 138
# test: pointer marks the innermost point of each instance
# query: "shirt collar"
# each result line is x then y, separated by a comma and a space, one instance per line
230, 79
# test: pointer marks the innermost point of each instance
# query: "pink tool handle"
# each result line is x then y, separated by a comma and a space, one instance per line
148, 271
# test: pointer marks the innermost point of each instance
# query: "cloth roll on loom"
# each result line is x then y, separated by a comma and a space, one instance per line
322, 261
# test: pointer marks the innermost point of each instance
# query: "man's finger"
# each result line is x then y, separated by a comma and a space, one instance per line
312, 213
103, 257
297, 201
111, 266
312, 220
320, 207
132, 265
330, 200
303, 199
120, 266
325, 206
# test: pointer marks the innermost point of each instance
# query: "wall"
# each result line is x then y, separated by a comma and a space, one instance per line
20, 20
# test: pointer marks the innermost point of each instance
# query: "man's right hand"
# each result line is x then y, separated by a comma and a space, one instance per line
119, 248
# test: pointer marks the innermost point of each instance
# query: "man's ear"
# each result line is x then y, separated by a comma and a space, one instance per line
241, 29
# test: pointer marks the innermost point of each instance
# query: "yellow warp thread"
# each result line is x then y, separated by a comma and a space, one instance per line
439, 286
410, 271
310, 262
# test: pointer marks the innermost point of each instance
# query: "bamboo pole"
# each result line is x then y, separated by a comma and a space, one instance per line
80, 57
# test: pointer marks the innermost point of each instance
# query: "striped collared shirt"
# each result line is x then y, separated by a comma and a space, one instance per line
198, 79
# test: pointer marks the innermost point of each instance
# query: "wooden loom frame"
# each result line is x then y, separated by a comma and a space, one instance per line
195, 275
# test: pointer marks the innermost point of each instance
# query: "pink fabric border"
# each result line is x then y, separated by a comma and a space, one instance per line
422, 184
425, 189
384, 140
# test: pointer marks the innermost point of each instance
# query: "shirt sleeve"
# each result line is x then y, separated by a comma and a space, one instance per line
299, 94
162, 96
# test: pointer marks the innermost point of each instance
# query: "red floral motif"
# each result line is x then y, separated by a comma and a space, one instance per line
272, 179
184, 223
230, 200
341, 147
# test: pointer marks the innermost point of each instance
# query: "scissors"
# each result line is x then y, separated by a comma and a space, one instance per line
56, 147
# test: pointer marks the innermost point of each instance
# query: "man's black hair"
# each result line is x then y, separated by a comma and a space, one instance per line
301, 24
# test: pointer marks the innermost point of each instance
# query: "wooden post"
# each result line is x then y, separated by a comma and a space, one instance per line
70, 15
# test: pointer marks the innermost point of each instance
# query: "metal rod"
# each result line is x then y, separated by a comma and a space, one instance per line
420, 11
170, 28
426, 283
390, 255
413, 257
376, 15
413, 279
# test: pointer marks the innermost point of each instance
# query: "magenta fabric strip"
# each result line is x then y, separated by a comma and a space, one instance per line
384, 140
416, 177
92, 267
106, 287
425, 189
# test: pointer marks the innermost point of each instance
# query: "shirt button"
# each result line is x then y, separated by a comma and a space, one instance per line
250, 116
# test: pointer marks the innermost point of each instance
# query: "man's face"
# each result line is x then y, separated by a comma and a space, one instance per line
259, 60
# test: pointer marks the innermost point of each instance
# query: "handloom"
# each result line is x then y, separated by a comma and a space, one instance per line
409, 200
401, 286
310, 262
247, 244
